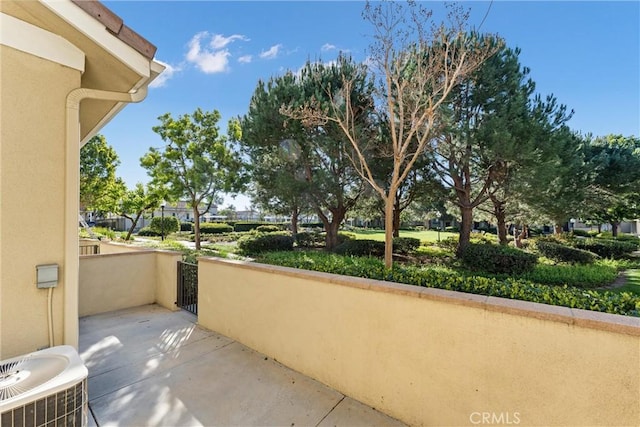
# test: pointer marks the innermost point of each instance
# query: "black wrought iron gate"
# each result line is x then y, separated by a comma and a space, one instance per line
188, 287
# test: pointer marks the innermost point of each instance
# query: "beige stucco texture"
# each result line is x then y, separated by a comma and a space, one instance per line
431, 357
116, 281
32, 197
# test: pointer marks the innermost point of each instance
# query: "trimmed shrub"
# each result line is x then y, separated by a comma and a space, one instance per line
312, 225
563, 253
498, 259
580, 233
215, 228
260, 242
606, 248
148, 232
452, 229
405, 245
624, 303
361, 247
308, 239
343, 236
268, 228
241, 226
186, 226
168, 224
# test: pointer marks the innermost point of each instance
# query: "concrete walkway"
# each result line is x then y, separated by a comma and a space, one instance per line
152, 367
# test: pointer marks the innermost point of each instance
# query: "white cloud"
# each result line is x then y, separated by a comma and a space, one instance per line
169, 71
245, 59
215, 57
219, 41
272, 52
327, 47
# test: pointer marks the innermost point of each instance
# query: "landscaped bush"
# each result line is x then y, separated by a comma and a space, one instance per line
361, 247
498, 259
611, 302
606, 248
308, 239
580, 233
312, 225
186, 226
166, 225
268, 228
215, 228
241, 226
148, 232
405, 245
452, 229
343, 236
260, 242
563, 253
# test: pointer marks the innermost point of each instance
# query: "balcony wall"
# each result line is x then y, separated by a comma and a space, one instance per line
113, 281
428, 356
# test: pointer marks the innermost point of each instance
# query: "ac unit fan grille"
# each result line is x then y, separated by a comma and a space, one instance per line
64, 408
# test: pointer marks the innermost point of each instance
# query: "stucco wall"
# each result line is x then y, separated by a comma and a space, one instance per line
111, 282
427, 356
32, 198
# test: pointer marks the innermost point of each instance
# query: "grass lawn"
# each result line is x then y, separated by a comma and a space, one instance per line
425, 235
633, 283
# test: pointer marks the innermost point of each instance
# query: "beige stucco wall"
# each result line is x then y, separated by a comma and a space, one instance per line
427, 356
111, 282
32, 197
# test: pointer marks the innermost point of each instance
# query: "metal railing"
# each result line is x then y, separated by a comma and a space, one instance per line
188, 287
89, 249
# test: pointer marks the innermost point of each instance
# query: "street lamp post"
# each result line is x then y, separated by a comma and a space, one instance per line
162, 205
439, 225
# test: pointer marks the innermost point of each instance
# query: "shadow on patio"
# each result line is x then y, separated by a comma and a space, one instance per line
149, 366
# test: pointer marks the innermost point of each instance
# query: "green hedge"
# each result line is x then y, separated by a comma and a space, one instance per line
563, 253
148, 232
498, 259
257, 243
611, 302
405, 245
268, 228
171, 224
361, 247
241, 226
308, 239
215, 228
186, 226
606, 248
580, 233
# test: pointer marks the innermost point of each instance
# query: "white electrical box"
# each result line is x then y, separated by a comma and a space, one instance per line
47, 275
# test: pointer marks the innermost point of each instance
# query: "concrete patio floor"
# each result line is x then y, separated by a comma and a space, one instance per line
149, 366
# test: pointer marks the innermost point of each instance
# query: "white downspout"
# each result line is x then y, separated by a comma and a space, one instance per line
72, 193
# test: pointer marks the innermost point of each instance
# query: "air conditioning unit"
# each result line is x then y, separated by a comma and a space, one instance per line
44, 388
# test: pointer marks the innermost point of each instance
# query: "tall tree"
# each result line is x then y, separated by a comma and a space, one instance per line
98, 163
310, 161
197, 163
415, 66
614, 161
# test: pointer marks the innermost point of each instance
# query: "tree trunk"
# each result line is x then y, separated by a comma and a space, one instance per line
614, 228
522, 235
196, 226
465, 230
599, 228
500, 214
388, 229
331, 239
134, 222
396, 218
294, 222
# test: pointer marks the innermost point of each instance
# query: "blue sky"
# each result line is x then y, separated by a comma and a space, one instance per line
586, 53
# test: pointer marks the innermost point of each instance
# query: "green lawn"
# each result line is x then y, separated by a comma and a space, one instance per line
633, 283
425, 235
